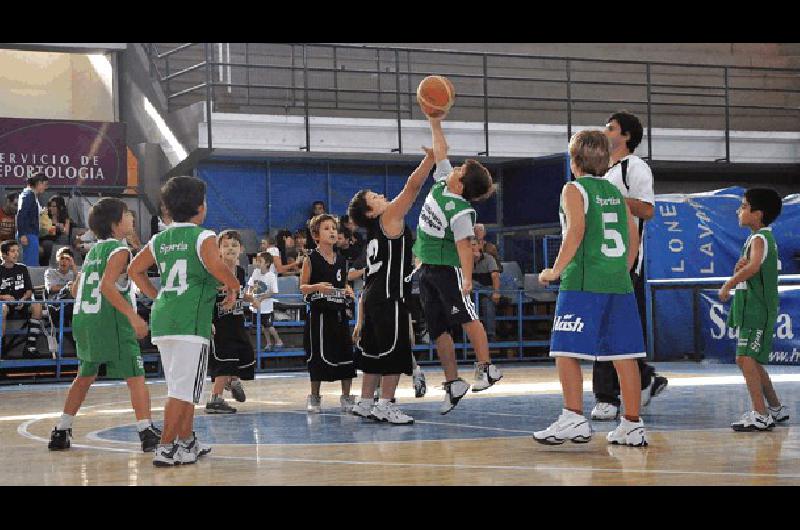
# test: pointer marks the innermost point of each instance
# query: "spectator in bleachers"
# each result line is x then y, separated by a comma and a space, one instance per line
356, 237
15, 284
286, 263
8, 214
28, 210
355, 255
159, 223
263, 283
60, 231
317, 208
487, 246
300, 245
268, 246
486, 275
56, 278
132, 238
84, 242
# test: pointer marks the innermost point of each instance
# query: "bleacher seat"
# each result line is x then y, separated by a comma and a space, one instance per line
290, 285
37, 276
511, 275
536, 291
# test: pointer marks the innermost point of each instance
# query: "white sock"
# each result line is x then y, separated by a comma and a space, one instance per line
65, 422
142, 425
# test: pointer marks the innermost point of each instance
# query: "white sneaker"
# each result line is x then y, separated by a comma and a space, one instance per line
389, 412
347, 402
485, 376
188, 452
779, 414
418, 379
173, 454
628, 433
199, 448
363, 408
314, 404
453, 392
605, 411
569, 426
753, 421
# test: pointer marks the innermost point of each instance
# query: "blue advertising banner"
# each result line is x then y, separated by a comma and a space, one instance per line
719, 341
698, 236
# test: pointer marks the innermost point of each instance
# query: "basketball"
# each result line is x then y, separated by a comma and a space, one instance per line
435, 95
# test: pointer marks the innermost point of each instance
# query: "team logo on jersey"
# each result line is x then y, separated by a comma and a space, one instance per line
432, 220
566, 323
454, 311
450, 206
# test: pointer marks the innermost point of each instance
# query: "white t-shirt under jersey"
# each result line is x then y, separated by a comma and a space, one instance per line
640, 186
263, 282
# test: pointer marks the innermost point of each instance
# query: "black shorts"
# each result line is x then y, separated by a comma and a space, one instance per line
266, 320
385, 344
444, 304
16, 313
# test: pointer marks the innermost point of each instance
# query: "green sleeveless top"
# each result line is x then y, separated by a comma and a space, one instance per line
185, 303
600, 263
101, 332
755, 301
435, 244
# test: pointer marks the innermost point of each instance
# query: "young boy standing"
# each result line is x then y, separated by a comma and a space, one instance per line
263, 283
754, 310
326, 337
596, 317
232, 357
105, 324
190, 266
446, 223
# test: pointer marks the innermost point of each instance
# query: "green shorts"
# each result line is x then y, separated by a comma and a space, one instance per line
124, 368
755, 343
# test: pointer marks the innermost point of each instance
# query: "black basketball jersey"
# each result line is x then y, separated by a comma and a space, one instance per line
336, 275
230, 333
389, 264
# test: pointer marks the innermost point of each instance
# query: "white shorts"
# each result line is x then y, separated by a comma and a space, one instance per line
185, 364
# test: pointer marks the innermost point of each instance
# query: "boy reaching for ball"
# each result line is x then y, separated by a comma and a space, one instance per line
446, 223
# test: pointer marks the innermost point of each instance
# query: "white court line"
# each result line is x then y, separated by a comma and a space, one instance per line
23, 430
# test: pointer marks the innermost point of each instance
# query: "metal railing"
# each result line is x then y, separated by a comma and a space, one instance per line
650, 80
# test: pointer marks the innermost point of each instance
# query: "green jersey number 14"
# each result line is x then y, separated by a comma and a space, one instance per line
176, 274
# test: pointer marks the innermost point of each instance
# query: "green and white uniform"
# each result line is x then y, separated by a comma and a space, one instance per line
596, 316
600, 263
102, 334
180, 320
754, 309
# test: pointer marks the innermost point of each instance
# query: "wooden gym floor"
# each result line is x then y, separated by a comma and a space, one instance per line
484, 441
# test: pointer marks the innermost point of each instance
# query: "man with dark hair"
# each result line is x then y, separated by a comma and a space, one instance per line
446, 224
15, 285
28, 218
317, 208
8, 214
634, 179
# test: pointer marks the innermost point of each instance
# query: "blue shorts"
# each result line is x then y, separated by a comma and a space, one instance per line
596, 327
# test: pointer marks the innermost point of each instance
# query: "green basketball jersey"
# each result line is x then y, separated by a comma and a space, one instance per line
755, 302
600, 263
102, 333
185, 303
435, 244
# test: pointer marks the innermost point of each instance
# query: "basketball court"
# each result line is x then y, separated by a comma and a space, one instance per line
486, 440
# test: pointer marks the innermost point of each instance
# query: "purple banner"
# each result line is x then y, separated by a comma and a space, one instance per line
71, 153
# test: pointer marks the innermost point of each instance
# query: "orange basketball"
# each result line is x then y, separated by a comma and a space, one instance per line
435, 95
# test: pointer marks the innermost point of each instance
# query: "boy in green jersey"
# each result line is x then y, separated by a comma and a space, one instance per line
754, 310
191, 269
446, 224
105, 324
596, 316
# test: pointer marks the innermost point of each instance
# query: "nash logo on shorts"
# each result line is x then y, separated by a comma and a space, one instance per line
566, 323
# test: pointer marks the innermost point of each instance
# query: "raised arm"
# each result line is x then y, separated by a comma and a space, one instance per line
399, 207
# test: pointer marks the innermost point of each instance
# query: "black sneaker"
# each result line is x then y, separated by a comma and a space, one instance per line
237, 391
659, 385
60, 439
219, 407
150, 438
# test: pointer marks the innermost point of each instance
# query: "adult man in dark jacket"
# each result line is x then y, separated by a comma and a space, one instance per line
28, 218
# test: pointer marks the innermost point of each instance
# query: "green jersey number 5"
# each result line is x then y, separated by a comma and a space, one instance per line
609, 234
